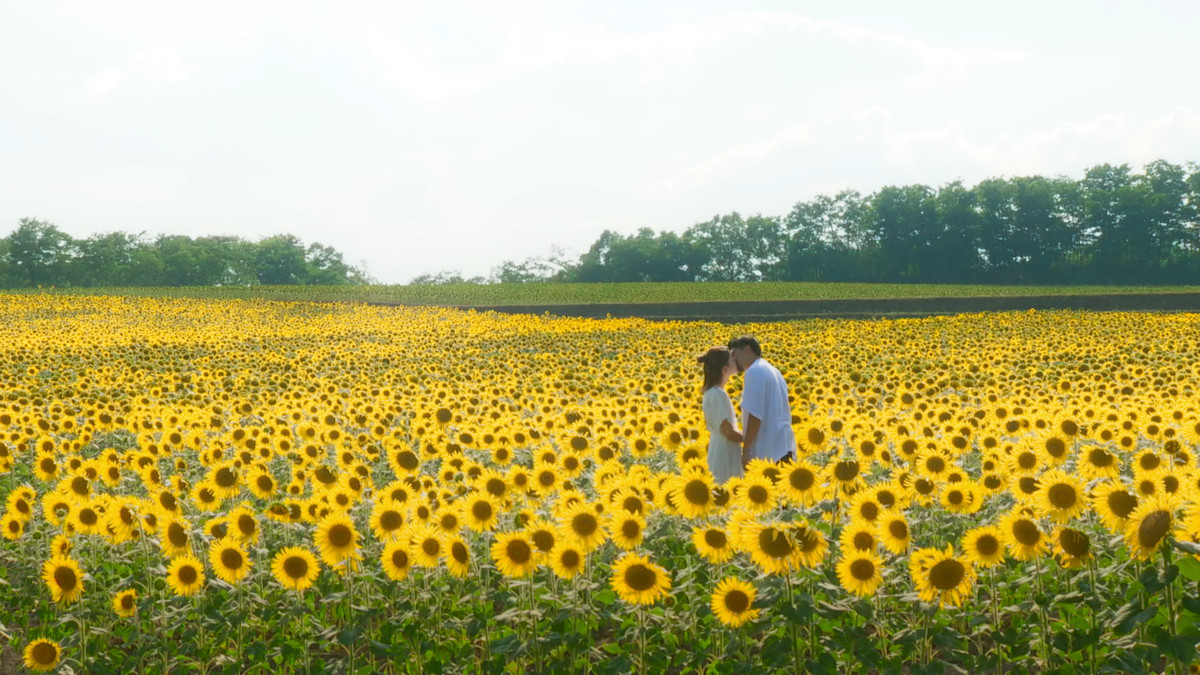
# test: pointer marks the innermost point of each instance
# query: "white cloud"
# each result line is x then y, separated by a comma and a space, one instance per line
105, 81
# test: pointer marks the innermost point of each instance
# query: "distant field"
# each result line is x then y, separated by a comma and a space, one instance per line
585, 294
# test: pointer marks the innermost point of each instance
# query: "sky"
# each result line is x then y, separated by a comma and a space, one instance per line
424, 137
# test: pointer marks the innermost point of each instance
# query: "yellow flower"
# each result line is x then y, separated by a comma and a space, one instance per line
396, 560
336, 539
124, 603
638, 581
185, 575
514, 554
65, 579
860, 572
940, 577
42, 655
713, 544
567, 560
295, 568
733, 602
229, 560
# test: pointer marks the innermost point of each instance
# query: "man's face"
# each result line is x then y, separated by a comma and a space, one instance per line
742, 357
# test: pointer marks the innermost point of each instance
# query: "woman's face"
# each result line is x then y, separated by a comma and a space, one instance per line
729, 370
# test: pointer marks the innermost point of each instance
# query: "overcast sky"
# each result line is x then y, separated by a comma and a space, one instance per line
421, 137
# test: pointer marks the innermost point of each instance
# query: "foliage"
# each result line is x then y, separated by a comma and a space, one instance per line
39, 255
192, 426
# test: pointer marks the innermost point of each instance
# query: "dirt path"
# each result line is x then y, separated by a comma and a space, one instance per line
786, 310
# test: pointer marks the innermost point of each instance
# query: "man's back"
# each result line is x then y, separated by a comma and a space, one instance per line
765, 395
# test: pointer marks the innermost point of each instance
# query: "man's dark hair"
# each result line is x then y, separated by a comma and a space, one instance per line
746, 341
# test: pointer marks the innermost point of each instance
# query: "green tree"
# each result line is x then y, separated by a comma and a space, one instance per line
280, 260
39, 253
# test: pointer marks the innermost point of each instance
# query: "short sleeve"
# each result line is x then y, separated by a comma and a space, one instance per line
716, 409
754, 393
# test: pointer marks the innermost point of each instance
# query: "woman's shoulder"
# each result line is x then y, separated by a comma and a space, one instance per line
715, 392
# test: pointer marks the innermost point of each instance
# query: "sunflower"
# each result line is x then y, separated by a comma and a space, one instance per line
733, 602
1115, 504
1053, 449
244, 524
962, 498
396, 560
638, 581
1149, 526
1096, 462
692, 495
427, 547
893, 532
811, 544
859, 536
545, 479
176, 537
771, 547
566, 560
860, 572
336, 539
626, 529
802, 483
984, 546
865, 508
1072, 548
481, 512
229, 560
581, 525
124, 603
1061, 496
42, 655
65, 579
295, 568
12, 527
387, 519
1024, 538
940, 577
514, 554
755, 494
185, 575
713, 544
458, 556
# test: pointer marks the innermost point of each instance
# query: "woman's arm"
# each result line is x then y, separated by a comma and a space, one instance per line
729, 432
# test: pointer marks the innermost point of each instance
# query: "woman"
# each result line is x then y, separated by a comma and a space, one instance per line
724, 439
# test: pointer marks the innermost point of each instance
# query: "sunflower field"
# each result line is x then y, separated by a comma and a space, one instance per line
230, 486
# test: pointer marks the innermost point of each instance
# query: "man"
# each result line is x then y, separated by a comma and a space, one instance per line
766, 414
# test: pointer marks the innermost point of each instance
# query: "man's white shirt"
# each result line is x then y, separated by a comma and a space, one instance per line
765, 395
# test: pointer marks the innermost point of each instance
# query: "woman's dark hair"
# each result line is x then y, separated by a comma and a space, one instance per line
714, 361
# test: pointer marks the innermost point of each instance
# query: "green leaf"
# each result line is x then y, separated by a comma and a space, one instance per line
605, 597
1189, 568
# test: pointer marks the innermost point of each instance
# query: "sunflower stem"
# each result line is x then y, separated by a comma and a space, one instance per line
1043, 647
995, 602
641, 628
796, 660
1170, 590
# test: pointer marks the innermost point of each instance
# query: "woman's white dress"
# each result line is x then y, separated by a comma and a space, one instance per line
724, 456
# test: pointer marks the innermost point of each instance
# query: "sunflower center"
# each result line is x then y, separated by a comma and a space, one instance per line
1149, 461
187, 575
543, 540
400, 558
935, 464
407, 460
737, 601
639, 577
340, 536
955, 497
390, 520
696, 492
630, 529
44, 653
65, 578
947, 574
1074, 543
869, 510
862, 569
176, 535
246, 525
518, 551
88, 517
802, 479
127, 602
1055, 447
1153, 528
225, 477
570, 558
495, 487
864, 541
264, 483
431, 546
584, 524
715, 538
296, 567
1026, 460
1062, 496
231, 559
757, 494
1100, 458
1121, 503
898, 529
846, 470
987, 545
774, 543
459, 552
1026, 532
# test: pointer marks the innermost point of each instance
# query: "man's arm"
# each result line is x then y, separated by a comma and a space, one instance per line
749, 434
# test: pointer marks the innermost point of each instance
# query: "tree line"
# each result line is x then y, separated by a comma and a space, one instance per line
38, 254
1112, 226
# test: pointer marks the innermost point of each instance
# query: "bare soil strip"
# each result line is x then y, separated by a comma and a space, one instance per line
788, 310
